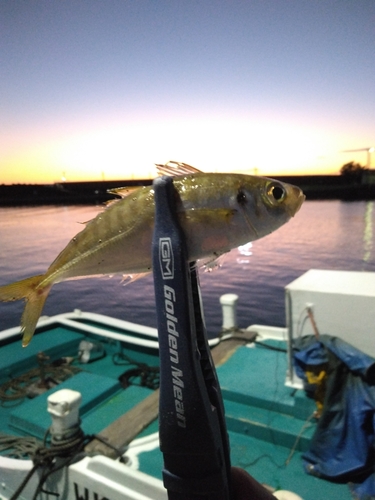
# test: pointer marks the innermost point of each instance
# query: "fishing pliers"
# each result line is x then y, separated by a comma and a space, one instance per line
192, 429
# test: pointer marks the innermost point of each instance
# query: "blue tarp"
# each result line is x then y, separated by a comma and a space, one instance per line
343, 446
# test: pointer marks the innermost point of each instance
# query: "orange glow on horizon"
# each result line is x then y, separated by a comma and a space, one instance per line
126, 151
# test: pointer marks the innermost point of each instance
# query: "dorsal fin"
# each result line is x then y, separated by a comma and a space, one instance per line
123, 192
174, 168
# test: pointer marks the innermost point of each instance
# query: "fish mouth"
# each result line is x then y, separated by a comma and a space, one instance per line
299, 198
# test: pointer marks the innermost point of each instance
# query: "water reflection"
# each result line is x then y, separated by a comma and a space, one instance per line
323, 235
245, 252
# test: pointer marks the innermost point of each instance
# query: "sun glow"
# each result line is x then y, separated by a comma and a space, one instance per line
124, 151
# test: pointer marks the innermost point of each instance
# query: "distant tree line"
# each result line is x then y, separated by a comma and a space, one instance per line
353, 170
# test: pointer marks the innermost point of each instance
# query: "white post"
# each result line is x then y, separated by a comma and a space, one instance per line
228, 304
63, 406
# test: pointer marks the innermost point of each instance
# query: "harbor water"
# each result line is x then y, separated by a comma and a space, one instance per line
323, 235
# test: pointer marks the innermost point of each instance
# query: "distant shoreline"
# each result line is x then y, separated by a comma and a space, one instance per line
315, 187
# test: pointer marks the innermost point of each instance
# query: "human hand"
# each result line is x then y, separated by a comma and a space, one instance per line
245, 487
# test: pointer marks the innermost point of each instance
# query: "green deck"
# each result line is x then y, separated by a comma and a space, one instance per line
265, 419
103, 399
258, 403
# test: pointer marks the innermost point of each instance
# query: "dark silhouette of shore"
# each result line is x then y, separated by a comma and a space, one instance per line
65, 193
315, 187
334, 187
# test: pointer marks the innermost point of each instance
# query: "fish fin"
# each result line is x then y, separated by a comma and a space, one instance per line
110, 202
35, 295
173, 168
130, 278
20, 289
197, 215
122, 192
213, 263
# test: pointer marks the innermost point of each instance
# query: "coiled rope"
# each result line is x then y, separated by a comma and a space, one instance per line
50, 459
19, 387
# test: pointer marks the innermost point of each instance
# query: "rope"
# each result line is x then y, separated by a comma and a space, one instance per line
303, 428
291, 453
20, 488
45, 459
20, 447
149, 375
19, 387
313, 323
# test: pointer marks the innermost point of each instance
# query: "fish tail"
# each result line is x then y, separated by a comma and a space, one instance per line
35, 294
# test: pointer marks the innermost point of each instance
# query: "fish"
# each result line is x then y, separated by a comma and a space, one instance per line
216, 211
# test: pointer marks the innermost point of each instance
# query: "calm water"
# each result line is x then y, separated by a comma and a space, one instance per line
323, 235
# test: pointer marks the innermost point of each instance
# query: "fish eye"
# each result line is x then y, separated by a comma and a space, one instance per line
241, 197
277, 192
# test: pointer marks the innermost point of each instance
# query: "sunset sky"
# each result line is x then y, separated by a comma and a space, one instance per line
97, 89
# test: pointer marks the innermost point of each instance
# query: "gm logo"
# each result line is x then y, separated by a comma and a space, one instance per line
166, 258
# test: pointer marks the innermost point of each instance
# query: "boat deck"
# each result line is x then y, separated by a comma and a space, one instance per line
269, 424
